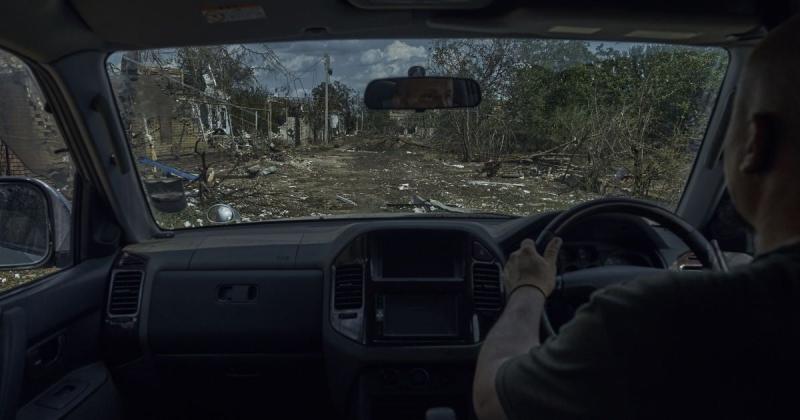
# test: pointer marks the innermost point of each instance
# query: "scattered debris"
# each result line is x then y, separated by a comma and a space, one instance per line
257, 170
490, 168
166, 169
453, 165
494, 184
346, 200
323, 181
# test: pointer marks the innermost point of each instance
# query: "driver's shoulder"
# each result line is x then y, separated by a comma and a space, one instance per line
660, 291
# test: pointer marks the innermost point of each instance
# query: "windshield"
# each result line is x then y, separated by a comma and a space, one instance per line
280, 130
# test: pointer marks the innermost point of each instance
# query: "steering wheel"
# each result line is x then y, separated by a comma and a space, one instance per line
597, 277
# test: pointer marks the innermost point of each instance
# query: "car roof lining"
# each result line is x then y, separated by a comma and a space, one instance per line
46, 30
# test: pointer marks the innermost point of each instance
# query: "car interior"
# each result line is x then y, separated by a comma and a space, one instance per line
347, 317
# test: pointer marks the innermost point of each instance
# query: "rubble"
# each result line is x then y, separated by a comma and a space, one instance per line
311, 181
258, 170
494, 184
346, 200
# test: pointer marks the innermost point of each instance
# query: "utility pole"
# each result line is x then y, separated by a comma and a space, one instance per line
327, 82
269, 119
286, 110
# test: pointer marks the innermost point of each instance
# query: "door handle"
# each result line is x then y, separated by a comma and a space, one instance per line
237, 293
45, 353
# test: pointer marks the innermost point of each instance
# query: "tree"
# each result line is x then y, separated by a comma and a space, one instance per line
341, 101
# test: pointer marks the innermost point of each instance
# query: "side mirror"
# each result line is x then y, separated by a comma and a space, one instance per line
29, 212
421, 93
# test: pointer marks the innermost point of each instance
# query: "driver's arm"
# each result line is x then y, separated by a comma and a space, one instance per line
528, 278
574, 375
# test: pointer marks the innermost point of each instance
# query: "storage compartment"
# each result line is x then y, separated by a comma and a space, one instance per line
214, 312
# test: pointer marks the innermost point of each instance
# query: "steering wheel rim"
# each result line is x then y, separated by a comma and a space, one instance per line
695, 240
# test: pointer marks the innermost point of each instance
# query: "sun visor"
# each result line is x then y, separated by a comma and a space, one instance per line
607, 26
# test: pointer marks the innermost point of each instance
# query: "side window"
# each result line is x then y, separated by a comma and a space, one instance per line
35, 214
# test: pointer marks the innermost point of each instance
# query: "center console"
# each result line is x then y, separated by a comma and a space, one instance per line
414, 304
413, 287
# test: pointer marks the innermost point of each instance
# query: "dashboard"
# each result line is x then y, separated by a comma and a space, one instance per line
374, 307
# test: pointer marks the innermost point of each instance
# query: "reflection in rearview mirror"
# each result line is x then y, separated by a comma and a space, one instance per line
421, 93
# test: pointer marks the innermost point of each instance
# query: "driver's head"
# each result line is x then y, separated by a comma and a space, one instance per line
762, 146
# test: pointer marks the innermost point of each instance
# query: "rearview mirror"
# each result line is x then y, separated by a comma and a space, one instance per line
421, 93
26, 231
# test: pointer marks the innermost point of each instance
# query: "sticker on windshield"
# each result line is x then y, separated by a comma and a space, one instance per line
238, 13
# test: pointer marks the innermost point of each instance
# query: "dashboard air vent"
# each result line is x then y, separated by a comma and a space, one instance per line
131, 261
348, 287
488, 297
124, 297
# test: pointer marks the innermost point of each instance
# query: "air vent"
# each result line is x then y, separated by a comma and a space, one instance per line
131, 261
348, 287
126, 287
488, 298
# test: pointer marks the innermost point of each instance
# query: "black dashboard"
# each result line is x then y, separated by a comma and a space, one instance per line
397, 305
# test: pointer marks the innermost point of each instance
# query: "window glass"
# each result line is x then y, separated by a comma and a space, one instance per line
32, 146
280, 130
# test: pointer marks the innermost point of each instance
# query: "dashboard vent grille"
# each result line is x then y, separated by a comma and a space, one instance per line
488, 297
348, 287
124, 297
131, 261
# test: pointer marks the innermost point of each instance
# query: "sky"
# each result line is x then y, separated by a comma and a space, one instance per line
354, 62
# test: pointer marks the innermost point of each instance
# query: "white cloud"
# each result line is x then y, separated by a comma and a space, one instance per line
399, 50
297, 63
372, 56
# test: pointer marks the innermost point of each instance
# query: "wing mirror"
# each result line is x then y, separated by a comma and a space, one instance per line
34, 224
421, 93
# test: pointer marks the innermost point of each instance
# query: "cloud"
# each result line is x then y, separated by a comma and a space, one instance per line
354, 62
372, 56
296, 63
399, 50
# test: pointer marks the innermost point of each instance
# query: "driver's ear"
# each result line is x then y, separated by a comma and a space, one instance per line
759, 148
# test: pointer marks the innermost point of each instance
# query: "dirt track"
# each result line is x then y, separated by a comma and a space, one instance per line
371, 177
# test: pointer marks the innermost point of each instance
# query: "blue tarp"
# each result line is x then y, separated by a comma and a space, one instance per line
166, 169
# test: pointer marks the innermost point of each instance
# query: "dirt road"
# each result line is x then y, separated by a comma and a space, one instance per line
358, 178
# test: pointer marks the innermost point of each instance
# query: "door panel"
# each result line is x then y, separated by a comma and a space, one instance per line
12, 355
60, 318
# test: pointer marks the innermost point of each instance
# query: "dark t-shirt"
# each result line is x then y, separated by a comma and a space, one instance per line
685, 345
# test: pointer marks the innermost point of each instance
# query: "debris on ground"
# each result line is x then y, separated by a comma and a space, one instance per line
453, 165
346, 200
258, 170
494, 184
378, 176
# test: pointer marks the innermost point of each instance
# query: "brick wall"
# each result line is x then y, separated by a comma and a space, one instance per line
10, 165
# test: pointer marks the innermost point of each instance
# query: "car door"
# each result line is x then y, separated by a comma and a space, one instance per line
54, 265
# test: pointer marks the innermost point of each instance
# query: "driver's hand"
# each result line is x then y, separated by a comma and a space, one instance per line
526, 266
